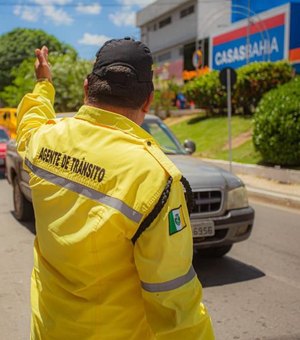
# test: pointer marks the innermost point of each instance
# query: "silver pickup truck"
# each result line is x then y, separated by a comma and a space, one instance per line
220, 215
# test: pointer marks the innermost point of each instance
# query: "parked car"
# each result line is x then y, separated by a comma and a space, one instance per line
8, 119
220, 215
4, 138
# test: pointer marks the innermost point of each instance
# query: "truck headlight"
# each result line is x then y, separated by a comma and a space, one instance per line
237, 198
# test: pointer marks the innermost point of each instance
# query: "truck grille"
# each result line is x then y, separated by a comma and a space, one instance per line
207, 201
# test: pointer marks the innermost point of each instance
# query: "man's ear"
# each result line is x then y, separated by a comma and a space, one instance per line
148, 102
85, 88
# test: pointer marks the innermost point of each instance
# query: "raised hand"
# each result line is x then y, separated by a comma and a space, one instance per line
42, 66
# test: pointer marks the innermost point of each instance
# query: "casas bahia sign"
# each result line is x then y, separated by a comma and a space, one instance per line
261, 50
263, 38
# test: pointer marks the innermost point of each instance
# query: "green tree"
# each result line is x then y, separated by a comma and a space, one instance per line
19, 44
68, 74
23, 82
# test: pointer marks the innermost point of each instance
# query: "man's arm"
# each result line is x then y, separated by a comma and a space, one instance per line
36, 108
170, 287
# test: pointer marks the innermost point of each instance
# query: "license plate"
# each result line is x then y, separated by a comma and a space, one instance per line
1, 161
204, 228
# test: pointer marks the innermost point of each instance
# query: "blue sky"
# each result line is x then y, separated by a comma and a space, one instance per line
84, 24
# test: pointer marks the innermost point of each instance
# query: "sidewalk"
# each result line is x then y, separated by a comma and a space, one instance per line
271, 191
271, 185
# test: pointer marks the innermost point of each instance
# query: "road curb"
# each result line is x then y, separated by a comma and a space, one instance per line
287, 176
290, 201
266, 195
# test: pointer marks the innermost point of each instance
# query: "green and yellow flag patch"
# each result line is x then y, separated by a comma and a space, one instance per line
176, 221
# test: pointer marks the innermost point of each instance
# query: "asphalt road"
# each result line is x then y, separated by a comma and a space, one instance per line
252, 294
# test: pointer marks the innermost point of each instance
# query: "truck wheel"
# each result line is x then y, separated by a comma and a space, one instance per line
23, 210
214, 252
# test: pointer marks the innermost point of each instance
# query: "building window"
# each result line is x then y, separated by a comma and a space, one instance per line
187, 11
164, 57
165, 22
152, 28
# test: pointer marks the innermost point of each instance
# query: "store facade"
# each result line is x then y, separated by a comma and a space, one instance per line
269, 36
226, 33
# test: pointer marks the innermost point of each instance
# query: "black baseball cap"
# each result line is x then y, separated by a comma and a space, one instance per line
124, 52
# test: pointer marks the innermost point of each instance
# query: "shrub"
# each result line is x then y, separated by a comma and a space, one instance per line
255, 79
277, 125
207, 92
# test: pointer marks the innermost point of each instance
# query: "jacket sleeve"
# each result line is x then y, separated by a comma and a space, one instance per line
171, 290
35, 110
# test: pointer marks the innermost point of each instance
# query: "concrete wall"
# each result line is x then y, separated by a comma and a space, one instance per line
156, 9
212, 17
207, 18
174, 34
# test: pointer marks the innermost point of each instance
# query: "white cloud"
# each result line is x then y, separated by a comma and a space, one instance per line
93, 39
94, 8
27, 13
52, 2
125, 17
57, 15
47, 8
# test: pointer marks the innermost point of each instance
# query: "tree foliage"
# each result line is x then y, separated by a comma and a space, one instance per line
68, 77
23, 82
68, 74
19, 44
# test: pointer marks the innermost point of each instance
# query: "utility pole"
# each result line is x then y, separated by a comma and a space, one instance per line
197, 25
248, 34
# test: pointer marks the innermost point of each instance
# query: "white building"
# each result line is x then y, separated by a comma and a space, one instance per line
173, 30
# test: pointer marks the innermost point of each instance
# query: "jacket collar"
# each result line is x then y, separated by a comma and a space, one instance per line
111, 119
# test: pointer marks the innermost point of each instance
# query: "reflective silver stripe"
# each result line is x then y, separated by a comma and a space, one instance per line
86, 191
169, 285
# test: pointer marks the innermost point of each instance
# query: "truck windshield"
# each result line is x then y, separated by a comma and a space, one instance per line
3, 136
164, 137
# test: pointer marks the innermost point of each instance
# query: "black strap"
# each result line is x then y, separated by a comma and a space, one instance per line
160, 204
154, 213
188, 194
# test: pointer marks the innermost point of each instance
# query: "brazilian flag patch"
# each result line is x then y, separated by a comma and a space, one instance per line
176, 221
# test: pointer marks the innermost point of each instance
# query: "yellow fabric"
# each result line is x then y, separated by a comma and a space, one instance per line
87, 275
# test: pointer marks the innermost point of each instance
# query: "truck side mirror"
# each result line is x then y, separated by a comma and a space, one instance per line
189, 146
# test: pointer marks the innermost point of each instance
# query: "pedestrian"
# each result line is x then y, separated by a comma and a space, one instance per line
113, 246
181, 100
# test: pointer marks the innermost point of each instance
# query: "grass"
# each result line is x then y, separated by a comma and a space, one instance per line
245, 153
211, 137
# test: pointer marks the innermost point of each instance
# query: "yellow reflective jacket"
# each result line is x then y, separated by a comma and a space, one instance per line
94, 178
